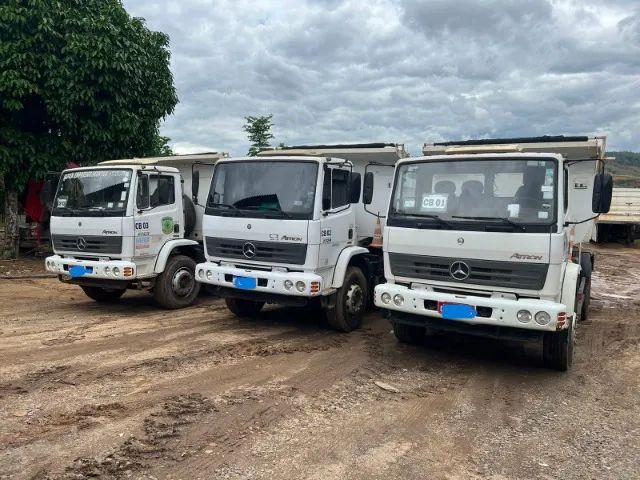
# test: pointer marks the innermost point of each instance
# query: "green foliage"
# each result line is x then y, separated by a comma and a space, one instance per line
625, 169
259, 132
161, 147
80, 80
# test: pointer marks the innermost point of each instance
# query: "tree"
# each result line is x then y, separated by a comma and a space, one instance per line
161, 148
259, 132
80, 80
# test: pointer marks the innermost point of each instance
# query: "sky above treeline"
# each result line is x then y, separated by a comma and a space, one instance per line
405, 71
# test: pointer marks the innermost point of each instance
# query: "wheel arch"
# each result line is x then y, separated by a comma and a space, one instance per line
348, 256
182, 246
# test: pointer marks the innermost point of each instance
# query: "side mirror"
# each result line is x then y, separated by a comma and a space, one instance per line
602, 193
195, 185
367, 190
354, 188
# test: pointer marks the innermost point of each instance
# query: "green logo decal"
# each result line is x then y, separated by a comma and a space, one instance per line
167, 225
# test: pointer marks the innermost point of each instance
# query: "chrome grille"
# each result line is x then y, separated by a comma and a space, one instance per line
527, 276
88, 244
272, 252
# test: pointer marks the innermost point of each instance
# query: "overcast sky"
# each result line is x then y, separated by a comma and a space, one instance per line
405, 71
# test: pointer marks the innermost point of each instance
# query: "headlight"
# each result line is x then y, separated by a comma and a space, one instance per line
107, 270
524, 316
385, 297
398, 300
300, 286
209, 274
288, 284
542, 318
116, 271
201, 273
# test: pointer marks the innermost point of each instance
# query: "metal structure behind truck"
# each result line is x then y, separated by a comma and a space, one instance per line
295, 226
131, 224
622, 222
486, 238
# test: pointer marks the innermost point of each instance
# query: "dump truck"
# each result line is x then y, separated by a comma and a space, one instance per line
296, 226
489, 238
131, 224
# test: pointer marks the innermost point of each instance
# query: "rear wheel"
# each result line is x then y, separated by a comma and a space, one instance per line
244, 308
103, 295
409, 333
176, 287
351, 302
558, 348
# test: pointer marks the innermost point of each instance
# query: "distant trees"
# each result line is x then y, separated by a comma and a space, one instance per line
258, 130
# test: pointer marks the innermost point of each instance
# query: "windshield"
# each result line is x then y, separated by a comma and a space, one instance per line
93, 193
471, 194
264, 188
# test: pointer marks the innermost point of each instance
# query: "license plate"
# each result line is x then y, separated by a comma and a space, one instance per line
457, 311
245, 283
79, 270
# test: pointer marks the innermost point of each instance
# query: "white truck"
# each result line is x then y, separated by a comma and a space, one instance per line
485, 238
131, 224
292, 227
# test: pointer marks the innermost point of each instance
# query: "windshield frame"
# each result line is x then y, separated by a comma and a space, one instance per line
485, 225
269, 214
58, 211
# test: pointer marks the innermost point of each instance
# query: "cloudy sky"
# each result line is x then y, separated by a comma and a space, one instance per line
405, 71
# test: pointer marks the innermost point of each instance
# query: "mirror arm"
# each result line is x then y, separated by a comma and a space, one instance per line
566, 224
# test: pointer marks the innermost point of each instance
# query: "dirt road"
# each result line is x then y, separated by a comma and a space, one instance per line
129, 391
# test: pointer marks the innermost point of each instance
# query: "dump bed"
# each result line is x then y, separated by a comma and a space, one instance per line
625, 207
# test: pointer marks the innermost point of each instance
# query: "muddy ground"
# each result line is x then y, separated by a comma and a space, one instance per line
130, 391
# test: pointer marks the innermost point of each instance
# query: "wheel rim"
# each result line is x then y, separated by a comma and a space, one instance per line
354, 299
183, 282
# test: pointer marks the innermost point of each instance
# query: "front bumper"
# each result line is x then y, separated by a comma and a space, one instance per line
267, 281
495, 311
94, 269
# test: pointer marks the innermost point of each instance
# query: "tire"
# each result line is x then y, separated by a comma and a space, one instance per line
189, 210
351, 302
103, 295
244, 308
176, 286
409, 333
558, 348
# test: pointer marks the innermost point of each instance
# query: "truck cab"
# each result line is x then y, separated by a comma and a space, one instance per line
292, 226
130, 224
485, 238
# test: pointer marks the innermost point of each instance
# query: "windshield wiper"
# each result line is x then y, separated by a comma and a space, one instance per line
269, 209
501, 219
425, 215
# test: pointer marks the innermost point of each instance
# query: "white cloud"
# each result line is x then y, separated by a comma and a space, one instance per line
404, 71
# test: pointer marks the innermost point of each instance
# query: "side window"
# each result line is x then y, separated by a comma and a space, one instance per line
155, 191
335, 189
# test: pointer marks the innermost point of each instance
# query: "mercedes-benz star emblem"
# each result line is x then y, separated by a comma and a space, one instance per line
81, 243
249, 250
460, 241
459, 270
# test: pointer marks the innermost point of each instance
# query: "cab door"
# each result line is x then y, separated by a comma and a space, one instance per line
337, 229
158, 214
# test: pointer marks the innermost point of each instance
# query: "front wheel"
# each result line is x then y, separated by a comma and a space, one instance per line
103, 295
176, 287
409, 333
244, 308
558, 348
351, 302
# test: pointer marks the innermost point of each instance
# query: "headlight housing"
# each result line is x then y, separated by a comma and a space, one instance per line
300, 286
288, 284
398, 300
386, 298
201, 273
107, 271
542, 318
524, 316
116, 271
209, 275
